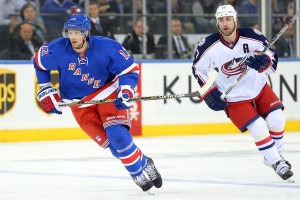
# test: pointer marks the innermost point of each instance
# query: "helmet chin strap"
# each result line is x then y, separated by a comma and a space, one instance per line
80, 45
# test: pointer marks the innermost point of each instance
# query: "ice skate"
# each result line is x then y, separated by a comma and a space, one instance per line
143, 182
280, 149
152, 173
283, 170
282, 158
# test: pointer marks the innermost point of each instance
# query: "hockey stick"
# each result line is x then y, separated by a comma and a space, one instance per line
279, 34
212, 76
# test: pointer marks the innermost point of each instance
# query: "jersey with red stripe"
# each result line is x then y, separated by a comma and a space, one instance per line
84, 73
213, 51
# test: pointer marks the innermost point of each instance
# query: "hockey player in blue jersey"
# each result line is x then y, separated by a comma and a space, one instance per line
251, 104
94, 68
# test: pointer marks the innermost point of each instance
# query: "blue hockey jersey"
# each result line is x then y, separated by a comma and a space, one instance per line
81, 74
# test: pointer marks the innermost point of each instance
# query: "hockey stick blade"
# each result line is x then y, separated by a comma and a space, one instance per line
212, 76
275, 38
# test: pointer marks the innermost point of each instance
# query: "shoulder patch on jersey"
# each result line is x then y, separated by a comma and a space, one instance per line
257, 31
45, 50
202, 41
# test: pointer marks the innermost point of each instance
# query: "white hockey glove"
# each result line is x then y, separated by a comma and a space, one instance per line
125, 92
50, 99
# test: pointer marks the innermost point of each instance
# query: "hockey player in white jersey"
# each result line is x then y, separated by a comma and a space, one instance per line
251, 105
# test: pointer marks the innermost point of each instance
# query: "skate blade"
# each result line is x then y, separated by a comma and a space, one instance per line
150, 192
289, 180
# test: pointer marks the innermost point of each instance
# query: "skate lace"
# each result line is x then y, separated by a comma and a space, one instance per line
282, 160
282, 167
151, 171
140, 180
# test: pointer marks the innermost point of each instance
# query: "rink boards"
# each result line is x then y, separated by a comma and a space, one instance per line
21, 117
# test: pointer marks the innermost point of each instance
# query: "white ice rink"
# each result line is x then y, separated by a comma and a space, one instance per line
226, 167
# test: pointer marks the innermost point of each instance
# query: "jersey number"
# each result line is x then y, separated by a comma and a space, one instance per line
124, 53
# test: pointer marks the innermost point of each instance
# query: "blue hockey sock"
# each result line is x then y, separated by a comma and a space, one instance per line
113, 151
130, 155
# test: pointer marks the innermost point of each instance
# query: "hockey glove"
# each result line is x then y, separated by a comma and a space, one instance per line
258, 62
125, 92
214, 101
49, 98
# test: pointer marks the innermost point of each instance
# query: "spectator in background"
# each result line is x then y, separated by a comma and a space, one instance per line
181, 49
248, 7
159, 26
28, 14
254, 26
124, 8
209, 7
133, 42
111, 9
98, 26
284, 44
200, 22
8, 11
152, 20
139, 6
58, 11
203, 24
8, 19
290, 8
233, 3
25, 44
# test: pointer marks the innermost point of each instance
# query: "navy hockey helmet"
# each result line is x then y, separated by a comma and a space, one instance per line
77, 22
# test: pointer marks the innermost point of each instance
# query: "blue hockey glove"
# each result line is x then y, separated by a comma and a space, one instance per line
125, 92
49, 98
258, 62
214, 101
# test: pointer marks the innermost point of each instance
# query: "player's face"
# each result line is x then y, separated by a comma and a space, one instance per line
226, 25
76, 38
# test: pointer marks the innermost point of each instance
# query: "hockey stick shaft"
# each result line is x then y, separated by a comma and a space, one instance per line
276, 37
147, 98
200, 93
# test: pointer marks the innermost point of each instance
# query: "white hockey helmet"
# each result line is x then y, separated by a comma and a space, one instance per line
226, 10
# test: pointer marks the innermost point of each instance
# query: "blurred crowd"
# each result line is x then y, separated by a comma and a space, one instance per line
23, 30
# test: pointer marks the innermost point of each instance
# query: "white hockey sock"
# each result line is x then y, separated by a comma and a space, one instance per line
278, 137
263, 140
276, 122
267, 147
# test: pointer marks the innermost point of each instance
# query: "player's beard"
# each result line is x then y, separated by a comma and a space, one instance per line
228, 34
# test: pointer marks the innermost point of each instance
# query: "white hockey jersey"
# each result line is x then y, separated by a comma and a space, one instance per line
213, 51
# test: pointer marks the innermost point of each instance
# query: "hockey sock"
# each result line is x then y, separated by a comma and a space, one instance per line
143, 161
266, 146
264, 142
129, 154
276, 123
277, 137
113, 151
